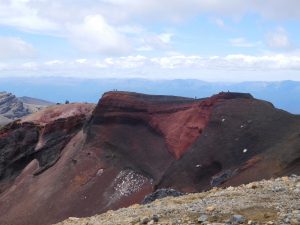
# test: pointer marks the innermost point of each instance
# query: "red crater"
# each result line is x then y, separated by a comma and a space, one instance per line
179, 120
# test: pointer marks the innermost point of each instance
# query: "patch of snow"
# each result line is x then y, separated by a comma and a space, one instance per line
100, 172
127, 183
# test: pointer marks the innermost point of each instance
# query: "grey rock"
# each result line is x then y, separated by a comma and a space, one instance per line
297, 191
161, 193
202, 218
238, 219
145, 220
220, 178
286, 220
155, 218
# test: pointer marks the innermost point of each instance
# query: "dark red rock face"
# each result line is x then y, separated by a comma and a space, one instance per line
61, 162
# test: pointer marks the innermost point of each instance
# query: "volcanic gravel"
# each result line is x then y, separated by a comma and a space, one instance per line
275, 201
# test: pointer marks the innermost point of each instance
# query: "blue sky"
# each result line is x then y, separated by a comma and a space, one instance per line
213, 40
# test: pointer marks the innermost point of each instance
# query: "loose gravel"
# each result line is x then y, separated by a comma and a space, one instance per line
271, 202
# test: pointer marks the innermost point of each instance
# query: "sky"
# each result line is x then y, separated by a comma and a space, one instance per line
212, 40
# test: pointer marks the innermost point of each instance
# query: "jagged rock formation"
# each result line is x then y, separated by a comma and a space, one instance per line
12, 108
134, 144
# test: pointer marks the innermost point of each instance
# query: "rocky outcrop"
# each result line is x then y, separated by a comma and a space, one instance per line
12, 108
131, 145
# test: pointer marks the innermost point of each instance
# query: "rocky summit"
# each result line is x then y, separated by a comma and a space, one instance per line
268, 202
78, 160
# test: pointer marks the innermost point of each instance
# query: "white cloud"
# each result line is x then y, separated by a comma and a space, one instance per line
53, 15
113, 26
150, 41
23, 15
15, 48
81, 61
278, 39
96, 35
30, 66
165, 37
266, 62
219, 22
145, 48
175, 10
127, 62
55, 62
243, 43
177, 61
238, 62
131, 29
236, 67
276, 9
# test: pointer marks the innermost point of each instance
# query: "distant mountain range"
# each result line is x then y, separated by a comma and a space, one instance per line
284, 94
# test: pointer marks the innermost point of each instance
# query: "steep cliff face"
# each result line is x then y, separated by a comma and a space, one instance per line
90, 161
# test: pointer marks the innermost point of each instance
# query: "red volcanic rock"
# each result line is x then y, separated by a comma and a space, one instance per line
74, 160
41, 137
180, 120
55, 112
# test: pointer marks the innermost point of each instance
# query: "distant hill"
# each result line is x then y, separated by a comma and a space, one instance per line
12, 108
284, 94
35, 101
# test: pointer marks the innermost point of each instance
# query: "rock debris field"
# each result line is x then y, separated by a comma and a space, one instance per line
275, 201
